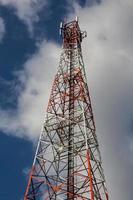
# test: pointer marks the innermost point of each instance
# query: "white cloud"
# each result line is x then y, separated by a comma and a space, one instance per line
2, 29
26, 10
109, 64
37, 78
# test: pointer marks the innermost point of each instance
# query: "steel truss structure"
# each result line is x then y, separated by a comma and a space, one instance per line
67, 164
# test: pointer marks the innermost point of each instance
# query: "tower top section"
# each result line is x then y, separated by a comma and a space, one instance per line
71, 34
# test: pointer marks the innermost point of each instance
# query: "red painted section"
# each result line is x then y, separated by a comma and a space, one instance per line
90, 175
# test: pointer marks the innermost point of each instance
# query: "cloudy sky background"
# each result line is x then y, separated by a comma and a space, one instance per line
26, 83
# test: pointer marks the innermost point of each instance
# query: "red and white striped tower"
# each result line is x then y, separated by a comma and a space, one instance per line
67, 164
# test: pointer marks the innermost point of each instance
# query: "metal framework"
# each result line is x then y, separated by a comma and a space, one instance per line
67, 164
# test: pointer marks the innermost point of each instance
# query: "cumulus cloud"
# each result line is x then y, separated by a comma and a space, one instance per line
109, 64
36, 79
26, 10
2, 28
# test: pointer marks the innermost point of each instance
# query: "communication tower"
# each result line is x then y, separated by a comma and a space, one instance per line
67, 163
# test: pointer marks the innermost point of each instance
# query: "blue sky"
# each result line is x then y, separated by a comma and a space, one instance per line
29, 55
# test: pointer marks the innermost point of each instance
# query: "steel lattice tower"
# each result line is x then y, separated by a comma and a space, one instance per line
67, 164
